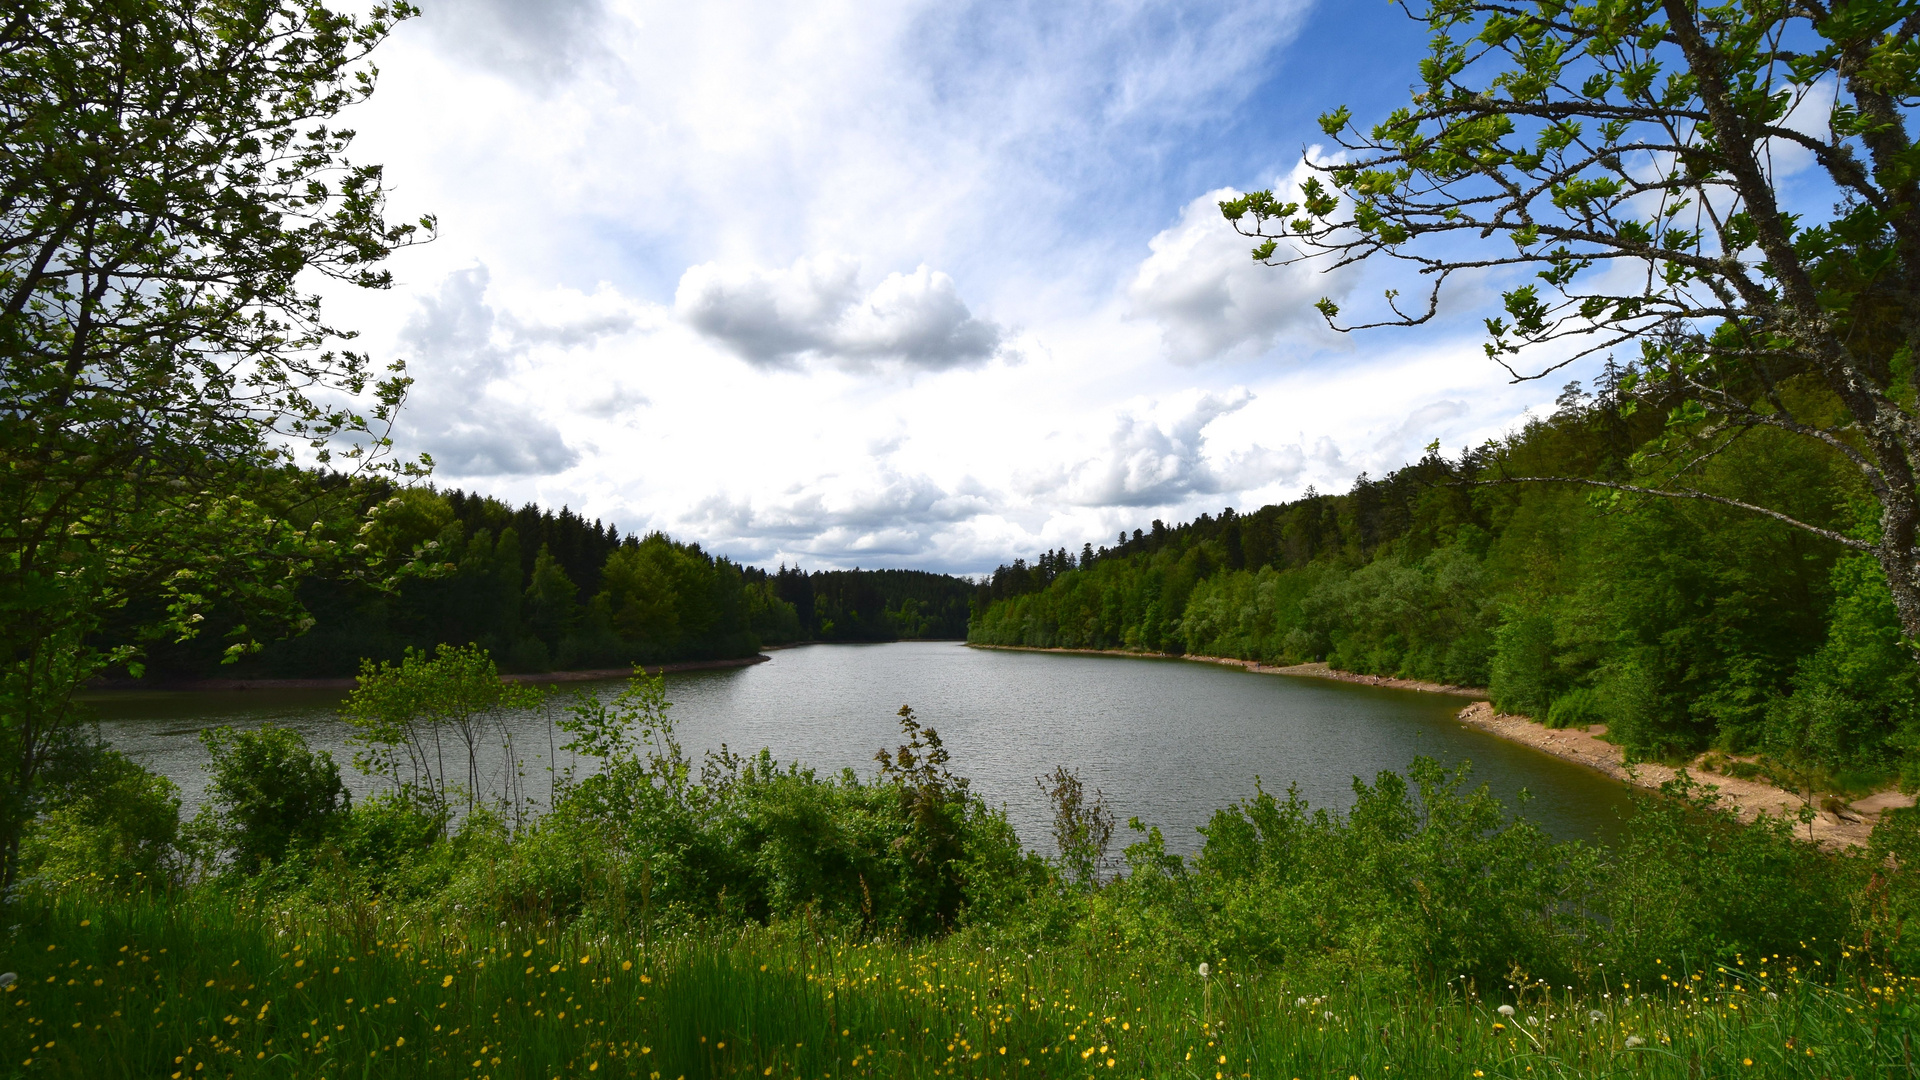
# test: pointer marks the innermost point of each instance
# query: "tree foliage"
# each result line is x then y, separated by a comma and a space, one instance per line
1618, 168
173, 177
1683, 625
541, 590
267, 792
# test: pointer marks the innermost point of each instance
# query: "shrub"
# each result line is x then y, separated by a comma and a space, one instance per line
105, 821
1428, 880
650, 835
409, 718
1689, 879
1522, 676
1082, 827
1577, 708
269, 791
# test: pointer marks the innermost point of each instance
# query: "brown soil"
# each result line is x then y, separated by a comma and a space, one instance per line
1835, 825
1312, 671
1322, 671
348, 684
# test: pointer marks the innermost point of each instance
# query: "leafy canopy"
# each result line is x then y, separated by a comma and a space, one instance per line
1617, 167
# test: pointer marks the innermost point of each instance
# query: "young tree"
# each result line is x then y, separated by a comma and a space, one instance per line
266, 791
410, 719
1626, 155
171, 178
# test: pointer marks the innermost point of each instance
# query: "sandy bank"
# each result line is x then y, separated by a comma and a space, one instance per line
1322, 671
1835, 825
1311, 671
348, 684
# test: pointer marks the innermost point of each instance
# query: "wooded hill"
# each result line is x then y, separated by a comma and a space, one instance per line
544, 590
1682, 624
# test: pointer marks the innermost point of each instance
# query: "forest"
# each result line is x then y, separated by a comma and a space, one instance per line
1717, 548
544, 591
1685, 626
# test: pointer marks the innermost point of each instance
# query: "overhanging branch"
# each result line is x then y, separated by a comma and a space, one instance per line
1683, 493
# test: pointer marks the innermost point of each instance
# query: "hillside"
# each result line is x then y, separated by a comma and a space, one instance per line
1683, 625
544, 590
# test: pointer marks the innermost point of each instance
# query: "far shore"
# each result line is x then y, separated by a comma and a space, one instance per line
1311, 671
1836, 824
594, 675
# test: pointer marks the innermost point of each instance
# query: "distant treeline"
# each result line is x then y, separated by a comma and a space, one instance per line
544, 590
1682, 624
866, 605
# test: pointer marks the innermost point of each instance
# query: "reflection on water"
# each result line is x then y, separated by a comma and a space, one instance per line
1167, 741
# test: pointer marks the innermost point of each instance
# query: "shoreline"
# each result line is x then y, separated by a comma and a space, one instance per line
830, 641
114, 686
1836, 824
1316, 670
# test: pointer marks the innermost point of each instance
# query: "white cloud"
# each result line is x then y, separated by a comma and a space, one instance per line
1423, 425
889, 516
536, 42
826, 190
814, 309
1812, 116
464, 410
612, 401
1212, 300
1152, 463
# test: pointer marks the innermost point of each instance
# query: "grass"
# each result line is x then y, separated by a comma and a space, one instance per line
206, 986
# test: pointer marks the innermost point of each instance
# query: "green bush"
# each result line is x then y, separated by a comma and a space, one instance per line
1427, 881
1577, 708
649, 837
269, 791
105, 822
1690, 880
1523, 671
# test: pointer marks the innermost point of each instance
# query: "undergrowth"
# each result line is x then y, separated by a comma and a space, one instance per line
207, 985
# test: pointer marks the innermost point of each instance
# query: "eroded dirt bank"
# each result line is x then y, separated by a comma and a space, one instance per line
1312, 671
1836, 824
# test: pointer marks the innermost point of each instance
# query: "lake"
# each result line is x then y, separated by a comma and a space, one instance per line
1167, 741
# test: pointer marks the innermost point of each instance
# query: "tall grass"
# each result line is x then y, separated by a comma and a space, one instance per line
206, 985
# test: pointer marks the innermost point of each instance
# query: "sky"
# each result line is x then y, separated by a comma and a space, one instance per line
909, 284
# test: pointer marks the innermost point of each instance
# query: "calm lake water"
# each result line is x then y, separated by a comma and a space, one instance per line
1167, 741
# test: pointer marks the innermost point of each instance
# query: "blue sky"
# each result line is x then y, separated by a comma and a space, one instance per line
916, 284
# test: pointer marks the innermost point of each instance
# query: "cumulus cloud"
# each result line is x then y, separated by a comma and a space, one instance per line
816, 309
459, 354
894, 515
1211, 300
1422, 426
535, 42
1026, 150
614, 400
1149, 463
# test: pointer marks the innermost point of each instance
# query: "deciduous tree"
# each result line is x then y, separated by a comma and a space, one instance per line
1616, 166
171, 182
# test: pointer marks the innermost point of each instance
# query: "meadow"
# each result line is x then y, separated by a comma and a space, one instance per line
666, 918
207, 986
